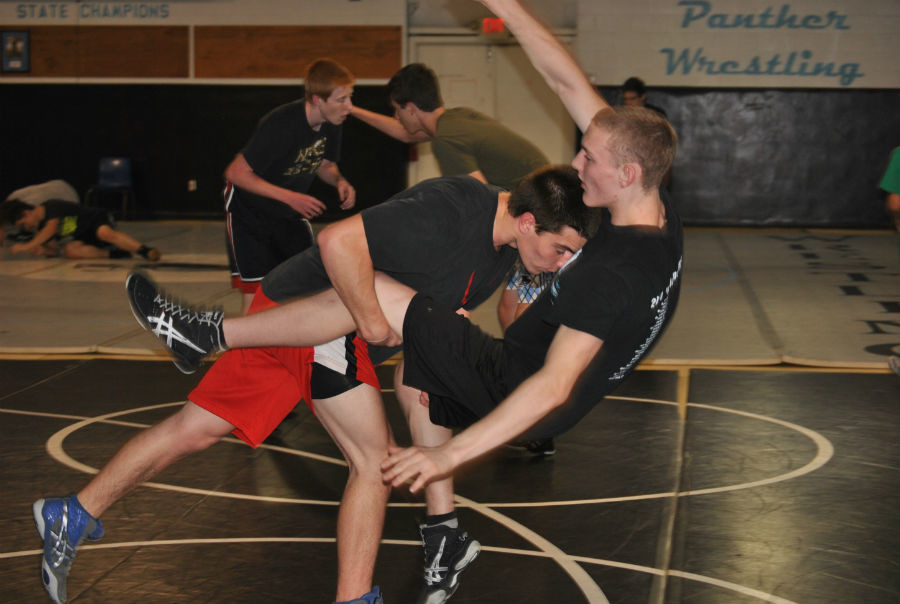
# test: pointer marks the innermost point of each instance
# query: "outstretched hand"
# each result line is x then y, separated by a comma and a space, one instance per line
420, 465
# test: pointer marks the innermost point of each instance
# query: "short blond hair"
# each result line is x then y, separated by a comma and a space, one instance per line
323, 76
642, 136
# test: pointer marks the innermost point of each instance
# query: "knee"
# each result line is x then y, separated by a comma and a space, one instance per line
192, 433
365, 464
104, 233
71, 252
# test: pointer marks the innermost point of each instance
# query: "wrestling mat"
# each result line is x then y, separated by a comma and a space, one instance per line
749, 297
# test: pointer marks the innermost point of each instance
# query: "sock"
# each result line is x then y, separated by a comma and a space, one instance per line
146, 250
449, 519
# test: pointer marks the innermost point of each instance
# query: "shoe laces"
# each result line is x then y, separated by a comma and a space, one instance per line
434, 572
186, 313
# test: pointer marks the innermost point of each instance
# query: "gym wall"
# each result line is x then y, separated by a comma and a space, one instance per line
182, 95
182, 100
784, 157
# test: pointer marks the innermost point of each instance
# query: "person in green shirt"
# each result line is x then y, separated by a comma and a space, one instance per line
465, 141
890, 183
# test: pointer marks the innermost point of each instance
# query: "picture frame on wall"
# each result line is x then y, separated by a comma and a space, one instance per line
16, 51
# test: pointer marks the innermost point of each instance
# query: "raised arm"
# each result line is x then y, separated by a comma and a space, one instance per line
345, 254
569, 354
557, 66
388, 125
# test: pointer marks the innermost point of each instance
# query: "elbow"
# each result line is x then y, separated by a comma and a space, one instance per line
556, 395
236, 168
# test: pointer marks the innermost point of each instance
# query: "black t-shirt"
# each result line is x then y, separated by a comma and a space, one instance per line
623, 289
436, 237
285, 151
75, 220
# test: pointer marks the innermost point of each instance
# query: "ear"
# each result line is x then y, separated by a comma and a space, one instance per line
316, 100
629, 174
526, 222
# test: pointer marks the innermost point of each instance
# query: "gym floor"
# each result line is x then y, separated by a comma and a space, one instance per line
695, 483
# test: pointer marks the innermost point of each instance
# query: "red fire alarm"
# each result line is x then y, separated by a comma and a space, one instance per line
492, 25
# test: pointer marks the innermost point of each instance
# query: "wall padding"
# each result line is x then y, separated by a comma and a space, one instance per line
285, 51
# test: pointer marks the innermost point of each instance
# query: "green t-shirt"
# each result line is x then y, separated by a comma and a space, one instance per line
890, 182
466, 140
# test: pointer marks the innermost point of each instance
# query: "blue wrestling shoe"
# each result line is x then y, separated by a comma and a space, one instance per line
373, 597
63, 525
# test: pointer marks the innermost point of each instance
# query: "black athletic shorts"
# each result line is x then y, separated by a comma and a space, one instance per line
260, 240
457, 364
89, 222
325, 382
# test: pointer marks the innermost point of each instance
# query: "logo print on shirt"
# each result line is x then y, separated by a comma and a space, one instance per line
68, 225
309, 159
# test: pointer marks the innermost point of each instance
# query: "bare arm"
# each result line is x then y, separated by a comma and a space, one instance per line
345, 254
558, 68
569, 354
479, 175
328, 171
388, 125
39, 239
240, 173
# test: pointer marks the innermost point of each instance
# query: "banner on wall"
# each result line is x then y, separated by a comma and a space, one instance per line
204, 12
742, 43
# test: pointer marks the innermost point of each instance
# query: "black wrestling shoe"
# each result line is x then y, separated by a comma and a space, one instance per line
118, 254
190, 334
545, 447
448, 551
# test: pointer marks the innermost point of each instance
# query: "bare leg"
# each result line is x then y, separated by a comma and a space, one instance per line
246, 301
75, 250
357, 424
313, 320
189, 430
308, 321
119, 239
438, 494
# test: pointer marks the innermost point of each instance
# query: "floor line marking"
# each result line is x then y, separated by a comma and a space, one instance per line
766, 597
666, 539
824, 453
582, 579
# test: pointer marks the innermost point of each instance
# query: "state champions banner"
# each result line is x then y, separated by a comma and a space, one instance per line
741, 43
202, 12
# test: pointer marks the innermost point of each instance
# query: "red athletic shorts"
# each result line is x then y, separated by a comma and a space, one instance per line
255, 388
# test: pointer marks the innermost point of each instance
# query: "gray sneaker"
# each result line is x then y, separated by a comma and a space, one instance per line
63, 525
448, 551
190, 334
